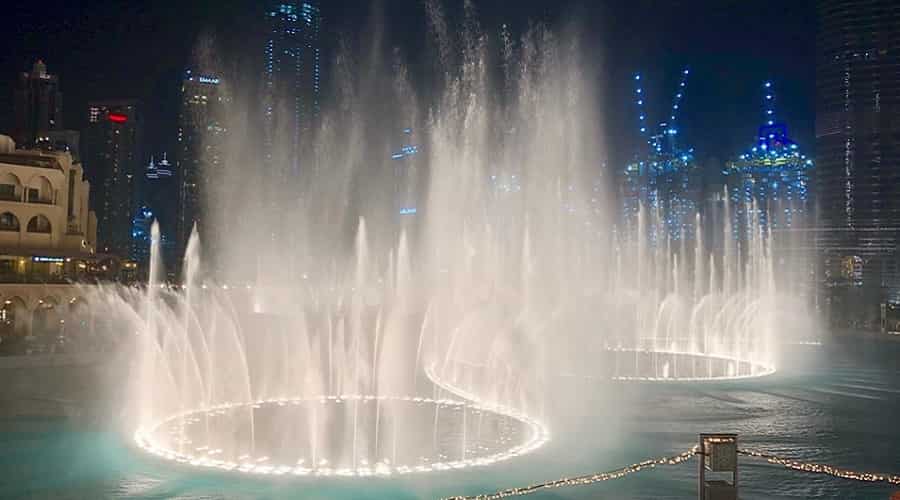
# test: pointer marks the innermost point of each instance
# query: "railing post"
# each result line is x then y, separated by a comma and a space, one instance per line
717, 454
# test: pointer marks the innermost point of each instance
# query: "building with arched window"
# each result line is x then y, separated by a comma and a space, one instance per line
48, 238
47, 231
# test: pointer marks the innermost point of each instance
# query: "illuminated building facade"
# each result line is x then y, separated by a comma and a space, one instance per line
774, 176
47, 230
113, 154
62, 140
291, 79
47, 248
858, 145
202, 135
159, 191
141, 236
664, 177
770, 184
406, 175
38, 105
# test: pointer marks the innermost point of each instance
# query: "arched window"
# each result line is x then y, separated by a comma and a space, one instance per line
12, 317
9, 222
39, 190
39, 224
10, 187
45, 318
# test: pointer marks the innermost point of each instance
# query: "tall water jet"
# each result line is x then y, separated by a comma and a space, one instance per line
354, 336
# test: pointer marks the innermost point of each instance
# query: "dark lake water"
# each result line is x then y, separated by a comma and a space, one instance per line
838, 403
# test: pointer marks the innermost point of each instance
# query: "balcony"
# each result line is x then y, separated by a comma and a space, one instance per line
73, 228
39, 200
7, 196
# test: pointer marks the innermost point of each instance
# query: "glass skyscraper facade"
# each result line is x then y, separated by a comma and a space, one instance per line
113, 163
202, 135
291, 81
858, 144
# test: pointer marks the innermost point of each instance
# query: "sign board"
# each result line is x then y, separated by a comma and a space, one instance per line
41, 258
721, 455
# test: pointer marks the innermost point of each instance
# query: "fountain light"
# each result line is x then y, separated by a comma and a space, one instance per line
147, 439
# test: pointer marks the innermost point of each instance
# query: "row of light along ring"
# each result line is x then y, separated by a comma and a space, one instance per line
823, 468
143, 437
540, 433
766, 369
585, 480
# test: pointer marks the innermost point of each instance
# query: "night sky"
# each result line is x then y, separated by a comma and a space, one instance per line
115, 49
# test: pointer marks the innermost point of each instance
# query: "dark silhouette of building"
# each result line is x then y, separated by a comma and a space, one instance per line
113, 159
62, 140
159, 197
858, 148
201, 139
38, 105
290, 81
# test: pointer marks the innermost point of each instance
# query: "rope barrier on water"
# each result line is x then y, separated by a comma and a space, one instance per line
810, 467
829, 470
585, 480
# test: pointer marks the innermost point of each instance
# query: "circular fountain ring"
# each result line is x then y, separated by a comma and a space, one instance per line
646, 365
457, 434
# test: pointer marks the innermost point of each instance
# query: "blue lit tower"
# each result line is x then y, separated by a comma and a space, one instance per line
663, 177
770, 183
140, 236
405, 176
773, 173
290, 81
160, 189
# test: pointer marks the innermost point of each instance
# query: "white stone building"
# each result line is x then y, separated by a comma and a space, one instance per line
48, 236
44, 214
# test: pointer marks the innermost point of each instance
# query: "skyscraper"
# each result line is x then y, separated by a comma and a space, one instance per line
38, 105
113, 153
290, 81
406, 196
141, 237
774, 174
201, 139
858, 144
159, 202
664, 176
771, 183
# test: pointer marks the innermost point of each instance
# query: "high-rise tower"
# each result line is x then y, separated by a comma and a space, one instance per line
290, 81
38, 105
774, 175
664, 176
113, 153
858, 144
202, 133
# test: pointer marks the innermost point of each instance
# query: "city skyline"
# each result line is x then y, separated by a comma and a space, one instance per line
719, 115
450, 249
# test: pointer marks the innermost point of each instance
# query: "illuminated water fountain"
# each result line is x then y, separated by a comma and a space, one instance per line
315, 390
365, 344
